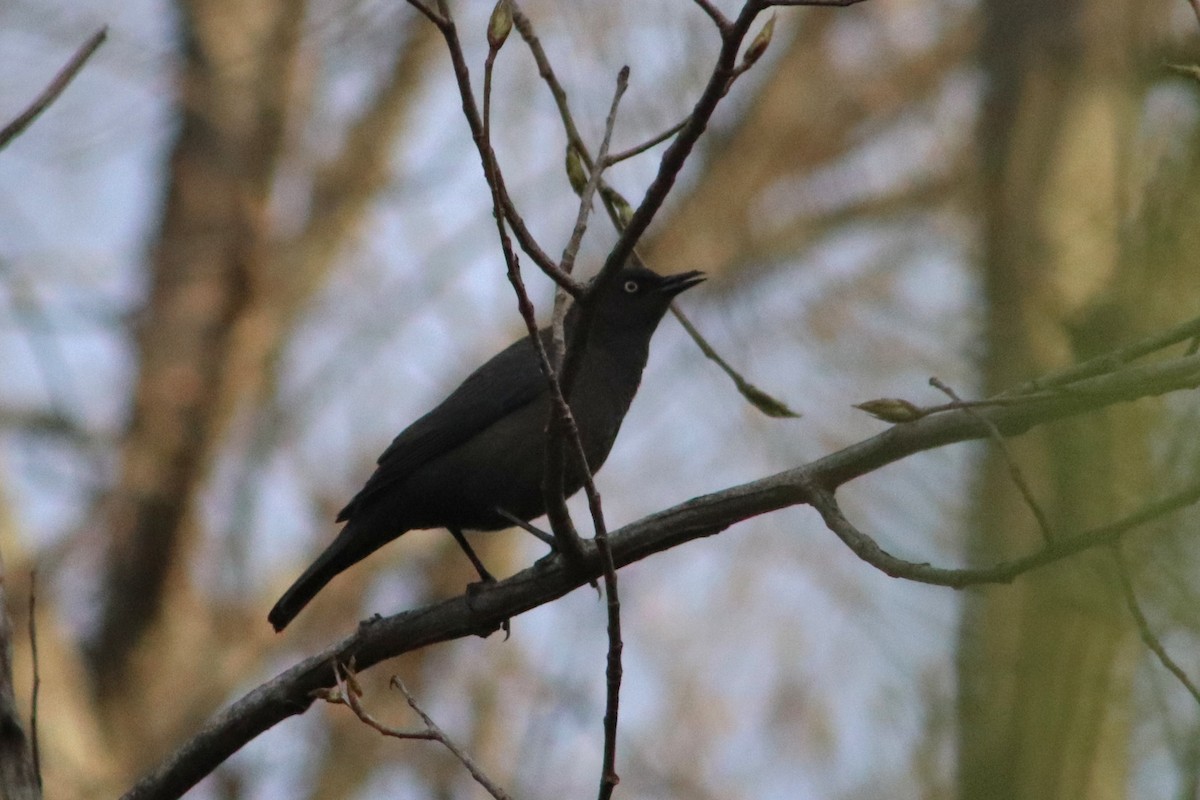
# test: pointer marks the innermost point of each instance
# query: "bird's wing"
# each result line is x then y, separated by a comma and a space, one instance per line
509, 380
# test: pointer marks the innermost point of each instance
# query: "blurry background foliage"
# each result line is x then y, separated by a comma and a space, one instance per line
252, 241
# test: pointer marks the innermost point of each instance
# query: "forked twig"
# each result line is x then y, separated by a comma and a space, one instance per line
348, 693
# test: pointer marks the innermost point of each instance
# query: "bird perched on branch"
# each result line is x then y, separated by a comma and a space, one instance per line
476, 461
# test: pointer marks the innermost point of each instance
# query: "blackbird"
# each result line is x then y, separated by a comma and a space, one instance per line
476, 460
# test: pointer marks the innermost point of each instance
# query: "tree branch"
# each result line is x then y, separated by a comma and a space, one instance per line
347, 693
291, 692
64, 77
1143, 625
495, 178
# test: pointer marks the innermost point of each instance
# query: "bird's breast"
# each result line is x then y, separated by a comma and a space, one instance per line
600, 398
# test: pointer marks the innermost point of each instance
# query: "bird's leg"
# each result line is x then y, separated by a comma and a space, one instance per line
525, 526
484, 575
540, 534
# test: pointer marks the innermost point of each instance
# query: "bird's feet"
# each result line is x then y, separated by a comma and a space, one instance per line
476, 588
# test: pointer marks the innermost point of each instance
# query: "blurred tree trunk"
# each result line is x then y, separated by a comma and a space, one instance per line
19, 777
205, 267
1046, 665
226, 290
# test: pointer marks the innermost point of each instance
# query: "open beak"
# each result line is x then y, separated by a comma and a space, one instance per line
674, 284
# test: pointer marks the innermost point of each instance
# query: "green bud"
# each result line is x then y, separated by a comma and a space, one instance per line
891, 409
575, 172
765, 403
620, 205
500, 24
759, 45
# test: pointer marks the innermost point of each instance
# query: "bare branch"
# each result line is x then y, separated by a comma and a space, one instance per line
637, 150
347, 693
679, 150
597, 172
290, 693
492, 173
613, 667
754, 395
1143, 625
65, 75
1114, 359
1014, 471
714, 14
433, 16
866, 548
813, 3
35, 751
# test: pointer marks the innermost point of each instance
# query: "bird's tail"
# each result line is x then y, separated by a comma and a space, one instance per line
350, 547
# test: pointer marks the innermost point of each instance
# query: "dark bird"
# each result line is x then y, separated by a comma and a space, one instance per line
476, 460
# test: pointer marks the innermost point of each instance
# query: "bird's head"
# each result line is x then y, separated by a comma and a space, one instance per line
638, 298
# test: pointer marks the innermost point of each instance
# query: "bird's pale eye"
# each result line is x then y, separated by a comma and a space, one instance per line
631, 287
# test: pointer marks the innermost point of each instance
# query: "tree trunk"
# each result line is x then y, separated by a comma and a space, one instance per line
1046, 665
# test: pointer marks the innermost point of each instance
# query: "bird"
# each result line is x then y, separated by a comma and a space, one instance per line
475, 462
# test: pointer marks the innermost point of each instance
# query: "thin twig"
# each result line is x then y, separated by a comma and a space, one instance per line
1052, 384
65, 75
597, 172
37, 678
507, 208
760, 399
476, 773
566, 423
714, 14
434, 17
764, 402
681, 148
546, 71
614, 670
1014, 471
812, 3
1112, 360
562, 423
1143, 625
537, 533
673, 159
637, 150
347, 694
867, 549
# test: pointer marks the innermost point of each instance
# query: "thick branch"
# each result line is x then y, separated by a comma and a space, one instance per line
292, 691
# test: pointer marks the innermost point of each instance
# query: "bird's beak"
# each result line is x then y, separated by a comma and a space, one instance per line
674, 284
